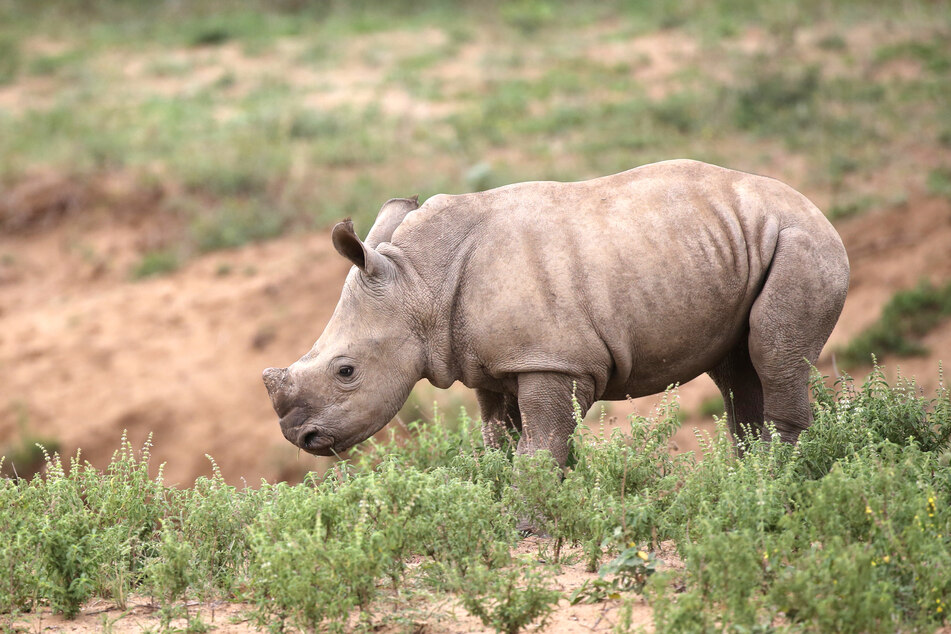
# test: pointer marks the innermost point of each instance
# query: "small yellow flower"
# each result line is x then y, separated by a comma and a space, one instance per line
765, 555
642, 555
886, 558
868, 509
873, 563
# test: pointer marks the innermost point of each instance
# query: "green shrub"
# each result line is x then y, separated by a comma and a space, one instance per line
9, 59
214, 523
847, 531
508, 600
424, 443
171, 572
527, 16
777, 100
234, 225
939, 182
68, 540
844, 532
26, 456
20, 505
155, 263
712, 406
906, 318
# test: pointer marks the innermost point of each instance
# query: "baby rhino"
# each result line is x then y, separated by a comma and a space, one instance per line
609, 288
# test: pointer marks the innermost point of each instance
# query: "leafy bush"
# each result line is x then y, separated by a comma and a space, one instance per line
155, 263
9, 60
848, 531
713, 406
906, 318
844, 532
509, 599
939, 182
777, 100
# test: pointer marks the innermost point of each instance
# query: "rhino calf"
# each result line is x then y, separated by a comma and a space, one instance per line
610, 288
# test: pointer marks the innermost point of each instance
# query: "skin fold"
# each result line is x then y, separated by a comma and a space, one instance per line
613, 287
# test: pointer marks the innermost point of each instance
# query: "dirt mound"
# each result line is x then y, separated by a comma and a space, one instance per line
85, 352
43, 200
891, 250
39, 201
85, 356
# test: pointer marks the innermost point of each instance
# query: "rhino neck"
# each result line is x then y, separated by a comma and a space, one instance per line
442, 364
441, 370
435, 242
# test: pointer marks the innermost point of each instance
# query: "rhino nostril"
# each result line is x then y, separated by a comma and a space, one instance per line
314, 440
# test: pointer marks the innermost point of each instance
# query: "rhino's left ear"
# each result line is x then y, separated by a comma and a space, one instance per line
391, 215
349, 246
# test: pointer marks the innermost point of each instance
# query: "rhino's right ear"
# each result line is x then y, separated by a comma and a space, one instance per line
391, 215
350, 246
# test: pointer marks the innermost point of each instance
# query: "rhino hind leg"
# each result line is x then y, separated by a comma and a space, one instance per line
500, 417
741, 390
790, 322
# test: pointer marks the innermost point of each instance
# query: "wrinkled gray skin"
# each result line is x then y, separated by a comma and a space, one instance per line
619, 286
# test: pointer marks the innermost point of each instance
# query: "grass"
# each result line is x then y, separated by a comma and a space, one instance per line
155, 263
292, 115
9, 60
939, 182
905, 319
848, 531
712, 406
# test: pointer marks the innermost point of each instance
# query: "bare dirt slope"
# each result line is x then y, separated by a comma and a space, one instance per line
86, 353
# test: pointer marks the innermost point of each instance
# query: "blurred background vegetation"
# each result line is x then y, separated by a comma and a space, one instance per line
249, 118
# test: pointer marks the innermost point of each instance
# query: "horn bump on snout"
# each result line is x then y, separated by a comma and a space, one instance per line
273, 379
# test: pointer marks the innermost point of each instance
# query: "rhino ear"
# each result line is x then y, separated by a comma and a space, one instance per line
349, 246
391, 215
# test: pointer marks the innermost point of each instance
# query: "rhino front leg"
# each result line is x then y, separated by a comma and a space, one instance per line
500, 417
544, 399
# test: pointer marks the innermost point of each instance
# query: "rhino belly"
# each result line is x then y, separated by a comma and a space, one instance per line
657, 352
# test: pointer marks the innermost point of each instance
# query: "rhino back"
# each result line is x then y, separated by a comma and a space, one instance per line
639, 280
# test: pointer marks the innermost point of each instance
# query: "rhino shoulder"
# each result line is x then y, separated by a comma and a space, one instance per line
439, 213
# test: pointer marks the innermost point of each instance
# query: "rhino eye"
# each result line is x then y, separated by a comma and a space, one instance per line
346, 370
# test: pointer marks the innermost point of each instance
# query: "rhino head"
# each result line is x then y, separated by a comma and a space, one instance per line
361, 370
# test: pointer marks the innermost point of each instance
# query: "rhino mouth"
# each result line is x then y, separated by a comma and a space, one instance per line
315, 442
300, 429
